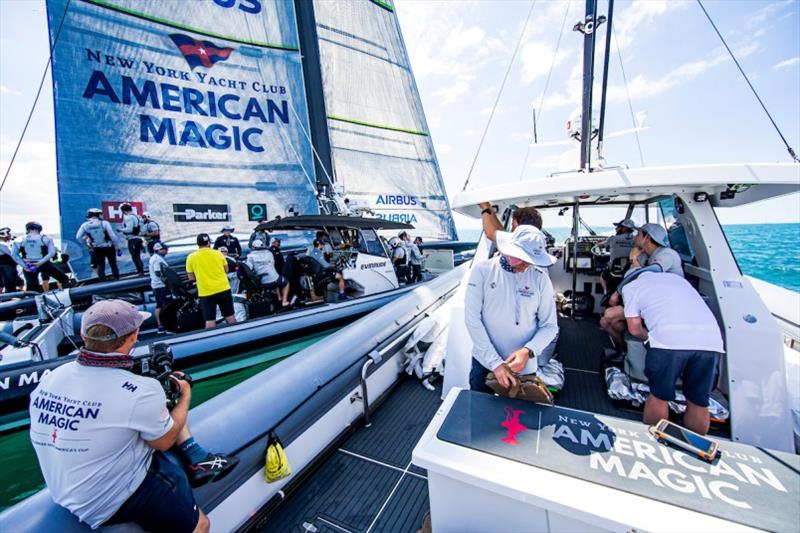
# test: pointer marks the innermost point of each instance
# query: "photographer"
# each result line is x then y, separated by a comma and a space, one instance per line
99, 431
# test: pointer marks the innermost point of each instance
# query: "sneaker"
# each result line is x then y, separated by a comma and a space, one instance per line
215, 467
162, 330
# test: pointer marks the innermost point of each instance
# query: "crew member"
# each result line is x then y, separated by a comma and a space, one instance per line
415, 260
347, 211
35, 252
510, 309
131, 229
399, 259
262, 261
229, 241
275, 248
8, 263
652, 248
327, 247
519, 216
158, 276
209, 269
683, 342
261, 235
619, 246
233, 270
99, 432
101, 241
151, 231
318, 254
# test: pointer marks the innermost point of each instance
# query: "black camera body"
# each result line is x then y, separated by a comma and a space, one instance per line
157, 364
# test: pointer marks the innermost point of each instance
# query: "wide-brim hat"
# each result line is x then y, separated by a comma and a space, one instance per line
626, 223
525, 243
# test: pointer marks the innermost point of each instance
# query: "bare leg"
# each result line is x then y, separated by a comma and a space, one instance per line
183, 436
203, 524
284, 294
230, 319
655, 410
696, 418
158, 316
613, 323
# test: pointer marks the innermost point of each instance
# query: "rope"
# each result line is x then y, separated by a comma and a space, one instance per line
755, 93
537, 116
36, 99
499, 94
628, 93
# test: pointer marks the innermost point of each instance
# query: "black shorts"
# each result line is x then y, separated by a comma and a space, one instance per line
163, 502
208, 304
160, 295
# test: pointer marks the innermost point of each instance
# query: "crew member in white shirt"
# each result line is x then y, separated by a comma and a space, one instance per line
683, 342
262, 261
157, 264
510, 309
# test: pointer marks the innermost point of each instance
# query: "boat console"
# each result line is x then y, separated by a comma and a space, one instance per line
496, 464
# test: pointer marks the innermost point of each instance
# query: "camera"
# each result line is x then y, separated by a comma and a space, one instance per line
157, 364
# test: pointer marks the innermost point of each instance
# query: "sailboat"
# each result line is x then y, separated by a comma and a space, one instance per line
372, 451
237, 113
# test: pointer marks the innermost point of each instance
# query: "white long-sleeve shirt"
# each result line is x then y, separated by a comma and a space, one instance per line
505, 311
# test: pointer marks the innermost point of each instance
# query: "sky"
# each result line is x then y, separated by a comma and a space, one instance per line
680, 81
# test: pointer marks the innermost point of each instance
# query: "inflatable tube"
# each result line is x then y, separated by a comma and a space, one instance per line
289, 395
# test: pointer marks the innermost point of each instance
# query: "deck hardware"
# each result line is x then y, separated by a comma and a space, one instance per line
356, 397
364, 396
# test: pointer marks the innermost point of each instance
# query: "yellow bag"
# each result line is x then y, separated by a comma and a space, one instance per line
276, 465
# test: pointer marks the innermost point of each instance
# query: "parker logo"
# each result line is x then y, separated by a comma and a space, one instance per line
112, 212
201, 212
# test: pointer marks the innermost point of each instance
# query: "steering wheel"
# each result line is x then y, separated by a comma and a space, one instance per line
600, 250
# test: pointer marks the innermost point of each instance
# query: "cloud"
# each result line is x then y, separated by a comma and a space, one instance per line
7, 90
453, 92
536, 58
786, 63
640, 16
30, 191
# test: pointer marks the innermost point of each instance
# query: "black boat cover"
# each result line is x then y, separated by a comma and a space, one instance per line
320, 221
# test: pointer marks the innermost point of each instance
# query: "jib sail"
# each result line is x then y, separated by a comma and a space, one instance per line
380, 143
194, 111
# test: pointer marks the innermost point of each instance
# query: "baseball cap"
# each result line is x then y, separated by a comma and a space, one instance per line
5, 232
160, 246
258, 243
626, 223
119, 316
146, 214
657, 233
525, 243
223, 248
203, 239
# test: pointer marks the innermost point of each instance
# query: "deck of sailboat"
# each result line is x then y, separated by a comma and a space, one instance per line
367, 483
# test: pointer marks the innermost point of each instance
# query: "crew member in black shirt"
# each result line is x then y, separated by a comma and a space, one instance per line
229, 241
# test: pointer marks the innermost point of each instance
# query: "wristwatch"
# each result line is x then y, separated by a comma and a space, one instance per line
492, 209
531, 355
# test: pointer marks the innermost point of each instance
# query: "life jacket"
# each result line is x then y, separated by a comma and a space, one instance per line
402, 260
137, 226
34, 247
97, 232
5, 255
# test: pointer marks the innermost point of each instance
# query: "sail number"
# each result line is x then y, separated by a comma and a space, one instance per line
248, 6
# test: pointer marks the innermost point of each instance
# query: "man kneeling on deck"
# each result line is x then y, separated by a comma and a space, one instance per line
99, 430
510, 309
683, 341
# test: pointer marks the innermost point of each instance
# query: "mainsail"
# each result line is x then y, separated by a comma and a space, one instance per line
381, 146
194, 111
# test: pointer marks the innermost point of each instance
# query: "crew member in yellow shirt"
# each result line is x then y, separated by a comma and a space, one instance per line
209, 269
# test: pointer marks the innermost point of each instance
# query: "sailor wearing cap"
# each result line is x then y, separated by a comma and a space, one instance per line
157, 264
36, 252
131, 228
619, 246
209, 269
652, 247
229, 241
98, 431
510, 308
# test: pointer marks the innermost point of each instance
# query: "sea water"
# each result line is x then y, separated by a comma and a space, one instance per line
769, 252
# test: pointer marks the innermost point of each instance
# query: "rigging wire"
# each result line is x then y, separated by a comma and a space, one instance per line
628, 94
499, 94
537, 116
36, 98
755, 93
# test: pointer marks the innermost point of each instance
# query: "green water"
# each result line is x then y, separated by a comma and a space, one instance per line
20, 476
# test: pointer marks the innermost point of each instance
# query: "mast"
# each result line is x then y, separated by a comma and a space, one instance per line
603, 91
312, 78
588, 27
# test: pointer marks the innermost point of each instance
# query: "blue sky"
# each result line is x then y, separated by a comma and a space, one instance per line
697, 107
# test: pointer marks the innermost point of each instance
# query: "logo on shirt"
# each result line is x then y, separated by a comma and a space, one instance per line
526, 292
201, 212
493, 285
130, 386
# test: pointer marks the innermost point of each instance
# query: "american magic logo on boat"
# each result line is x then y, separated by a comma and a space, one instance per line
200, 53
